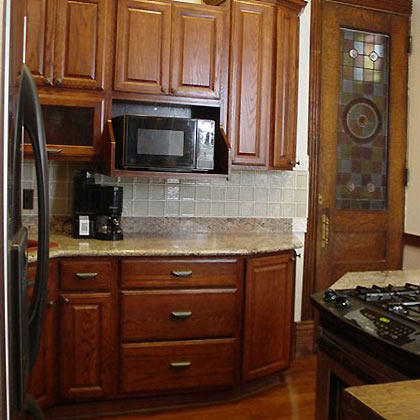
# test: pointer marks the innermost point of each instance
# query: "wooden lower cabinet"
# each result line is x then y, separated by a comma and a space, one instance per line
269, 293
86, 349
171, 331
41, 383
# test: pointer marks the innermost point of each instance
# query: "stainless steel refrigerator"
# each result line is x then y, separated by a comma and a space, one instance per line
22, 320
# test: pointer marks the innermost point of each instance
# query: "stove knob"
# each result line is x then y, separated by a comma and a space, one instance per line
330, 295
342, 301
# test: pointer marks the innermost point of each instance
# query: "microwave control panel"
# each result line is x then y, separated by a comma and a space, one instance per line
205, 144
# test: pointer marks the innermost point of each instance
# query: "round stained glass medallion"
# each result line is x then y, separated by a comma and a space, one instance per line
350, 186
353, 53
362, 120
370, 187
373, 56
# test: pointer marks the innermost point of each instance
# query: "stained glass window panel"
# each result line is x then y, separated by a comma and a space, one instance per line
362, 146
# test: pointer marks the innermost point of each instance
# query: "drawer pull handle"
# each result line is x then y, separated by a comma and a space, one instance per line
186, 273
54, 150
86, 276
180, 365
181, 315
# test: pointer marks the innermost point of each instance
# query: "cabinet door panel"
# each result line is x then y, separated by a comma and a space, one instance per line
42, 379
197, 51
65, 117
39, 40
86, 348
251, 80
285, 115
143, 46
268, 315
80, 43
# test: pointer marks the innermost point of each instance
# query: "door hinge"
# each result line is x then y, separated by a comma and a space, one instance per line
406, 176
410, 45
325, 230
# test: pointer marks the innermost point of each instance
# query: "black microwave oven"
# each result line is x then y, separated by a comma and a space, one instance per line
164, 144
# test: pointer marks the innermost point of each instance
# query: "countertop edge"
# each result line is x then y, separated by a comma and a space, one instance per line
291, 243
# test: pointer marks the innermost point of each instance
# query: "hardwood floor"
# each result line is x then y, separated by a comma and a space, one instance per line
295, 400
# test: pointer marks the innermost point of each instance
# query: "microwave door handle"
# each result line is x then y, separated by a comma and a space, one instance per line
32, 119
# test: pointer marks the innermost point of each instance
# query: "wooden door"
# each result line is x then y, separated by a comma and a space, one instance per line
40, 40
42, 380
143, 46
197, 51
251, 82
362, 142
80, 41
286, 90
268, 319
86, 345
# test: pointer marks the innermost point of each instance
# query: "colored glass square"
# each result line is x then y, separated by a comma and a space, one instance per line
367, 63
368, 75
359, 46
358, 74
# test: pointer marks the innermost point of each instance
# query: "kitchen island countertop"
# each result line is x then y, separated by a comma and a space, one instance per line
378, 278
392, 401
139, 245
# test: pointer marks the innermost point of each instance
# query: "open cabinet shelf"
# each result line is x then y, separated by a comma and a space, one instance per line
221, 171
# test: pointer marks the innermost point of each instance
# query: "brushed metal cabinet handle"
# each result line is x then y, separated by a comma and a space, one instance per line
181, 314
187, 273
54, 150
180, 365
86, 276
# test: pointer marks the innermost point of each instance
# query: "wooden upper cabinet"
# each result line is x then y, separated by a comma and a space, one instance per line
251, 82
39, 40
268, 314
197, 51
287, 73
80, 37
143, 46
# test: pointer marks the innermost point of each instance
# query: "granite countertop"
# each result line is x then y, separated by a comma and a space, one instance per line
181, 244
392, 401
378, 278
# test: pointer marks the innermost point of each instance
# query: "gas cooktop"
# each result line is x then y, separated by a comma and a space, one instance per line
391, 313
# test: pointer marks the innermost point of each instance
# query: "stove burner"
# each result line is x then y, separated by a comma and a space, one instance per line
400, 300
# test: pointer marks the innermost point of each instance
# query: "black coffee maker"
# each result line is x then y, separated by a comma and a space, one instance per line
97, 209
84, 205
108, 203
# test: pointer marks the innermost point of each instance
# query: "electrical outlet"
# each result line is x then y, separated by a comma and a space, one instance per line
28, 199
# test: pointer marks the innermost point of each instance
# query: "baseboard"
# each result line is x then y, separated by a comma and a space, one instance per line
304, 338
412, 240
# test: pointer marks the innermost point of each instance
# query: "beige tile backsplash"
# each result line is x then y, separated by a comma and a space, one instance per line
269, 194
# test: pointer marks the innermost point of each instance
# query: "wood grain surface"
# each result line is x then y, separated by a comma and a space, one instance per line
393, 401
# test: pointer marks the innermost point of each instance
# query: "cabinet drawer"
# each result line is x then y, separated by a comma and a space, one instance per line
174, 314
177, 365
86, 274
179, 273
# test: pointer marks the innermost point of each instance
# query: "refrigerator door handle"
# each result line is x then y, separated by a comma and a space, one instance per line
29, 116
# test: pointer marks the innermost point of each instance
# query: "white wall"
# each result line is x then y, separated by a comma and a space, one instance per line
299, 223
412, 219
412, 211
